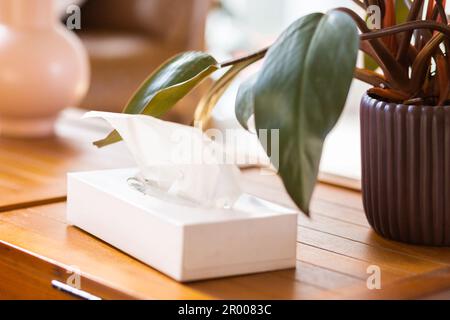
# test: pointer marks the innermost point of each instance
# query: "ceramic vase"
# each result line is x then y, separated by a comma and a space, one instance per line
44, 68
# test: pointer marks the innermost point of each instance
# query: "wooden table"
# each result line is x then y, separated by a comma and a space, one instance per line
335, 247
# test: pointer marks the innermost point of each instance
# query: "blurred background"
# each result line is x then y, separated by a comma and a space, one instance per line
127, 40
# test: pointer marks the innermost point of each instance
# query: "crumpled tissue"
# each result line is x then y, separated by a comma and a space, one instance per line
179, 160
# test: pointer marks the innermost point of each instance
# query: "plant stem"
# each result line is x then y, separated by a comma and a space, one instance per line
257, 55
370, 77
414, 11
407, 26
209, 101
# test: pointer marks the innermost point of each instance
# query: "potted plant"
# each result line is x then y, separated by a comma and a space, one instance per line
302, 88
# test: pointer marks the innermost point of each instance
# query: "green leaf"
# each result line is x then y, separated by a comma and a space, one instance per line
166, 86
111, 138
245, 106
302, 90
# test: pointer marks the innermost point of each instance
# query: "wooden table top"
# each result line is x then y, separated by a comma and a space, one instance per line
34, 170
334, 250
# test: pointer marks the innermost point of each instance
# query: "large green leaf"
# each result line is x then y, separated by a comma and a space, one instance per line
302, 90
245, 106
166, 86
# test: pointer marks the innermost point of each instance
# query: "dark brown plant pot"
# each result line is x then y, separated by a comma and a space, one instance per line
406, 171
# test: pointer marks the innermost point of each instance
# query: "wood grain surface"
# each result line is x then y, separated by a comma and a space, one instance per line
334, 250
34, 171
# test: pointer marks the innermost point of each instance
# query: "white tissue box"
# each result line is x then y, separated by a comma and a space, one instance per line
186, 243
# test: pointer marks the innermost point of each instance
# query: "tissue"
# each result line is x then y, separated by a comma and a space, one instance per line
178, 160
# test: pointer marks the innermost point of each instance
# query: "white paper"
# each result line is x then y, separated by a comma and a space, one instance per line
178, 159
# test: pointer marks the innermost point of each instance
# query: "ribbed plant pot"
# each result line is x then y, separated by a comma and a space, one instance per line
406, 171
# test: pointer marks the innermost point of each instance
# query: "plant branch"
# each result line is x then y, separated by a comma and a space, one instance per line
407, 26
421, 64
392, 94
439, 11
370, 77
254, 56
208, 102
414, 12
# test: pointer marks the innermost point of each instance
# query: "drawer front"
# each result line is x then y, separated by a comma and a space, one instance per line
25, 276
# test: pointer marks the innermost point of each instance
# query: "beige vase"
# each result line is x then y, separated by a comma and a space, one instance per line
44, 68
